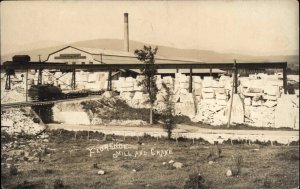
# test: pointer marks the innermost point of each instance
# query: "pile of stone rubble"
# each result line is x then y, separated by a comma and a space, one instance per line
22, 151
15, 94
16, 121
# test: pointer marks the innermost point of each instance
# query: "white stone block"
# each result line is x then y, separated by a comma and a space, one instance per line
198, 99
130, 79
179, 75
221, 102
75, 118
187, 98
126, 95
270, 103
187, 109
184, 91
220, 91
268, 97
207, 95
198, 91
256, 103
138, 96
221, 96
208, 90
247, 101
206, 78
197, 85
197, 79
208, 101
122, 79
184, 85
272, 90
92, 77
167, 79
207, 83
237, 111
176, 98
253, 94
285, 114
254, 90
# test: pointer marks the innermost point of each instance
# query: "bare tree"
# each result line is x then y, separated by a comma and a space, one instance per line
147, 56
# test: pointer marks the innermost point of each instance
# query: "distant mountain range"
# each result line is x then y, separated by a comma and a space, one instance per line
169, 52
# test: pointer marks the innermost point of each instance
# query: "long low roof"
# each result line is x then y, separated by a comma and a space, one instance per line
122, 57
184, 71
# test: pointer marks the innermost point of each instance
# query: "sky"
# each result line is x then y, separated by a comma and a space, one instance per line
265, 27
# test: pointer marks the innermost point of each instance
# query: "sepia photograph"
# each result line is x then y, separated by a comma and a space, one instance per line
162, 94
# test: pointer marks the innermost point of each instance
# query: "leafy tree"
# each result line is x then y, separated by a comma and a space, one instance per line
168, 111
147, 56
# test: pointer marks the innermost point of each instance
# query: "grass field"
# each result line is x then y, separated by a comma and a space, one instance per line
65, 162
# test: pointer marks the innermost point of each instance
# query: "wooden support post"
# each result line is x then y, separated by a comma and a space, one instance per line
235, 78
284, 79
7, 82
109, 81
191, 81
210, 71
101, 58
73, 82
40, 77
26, 86
231, 96
176, 70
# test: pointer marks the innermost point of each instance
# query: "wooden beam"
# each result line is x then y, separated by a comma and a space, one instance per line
284, 79
235, 77
109, 81
26, 85
191, 81
73, 81
40, 76
106, 67
7, 82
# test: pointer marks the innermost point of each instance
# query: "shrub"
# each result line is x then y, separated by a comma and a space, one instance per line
13, 170
195, 181
58, 184
236, 164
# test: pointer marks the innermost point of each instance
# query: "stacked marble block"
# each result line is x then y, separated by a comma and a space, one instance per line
265, 103
213, 100
260, 94
131, 91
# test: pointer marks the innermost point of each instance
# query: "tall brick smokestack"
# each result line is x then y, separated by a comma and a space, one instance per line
126, 33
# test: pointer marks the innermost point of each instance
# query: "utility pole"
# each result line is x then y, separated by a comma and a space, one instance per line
234, 78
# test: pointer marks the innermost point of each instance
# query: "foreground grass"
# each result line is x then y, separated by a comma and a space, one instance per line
68, 165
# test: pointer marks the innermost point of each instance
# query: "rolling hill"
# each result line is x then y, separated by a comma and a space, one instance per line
170, 52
